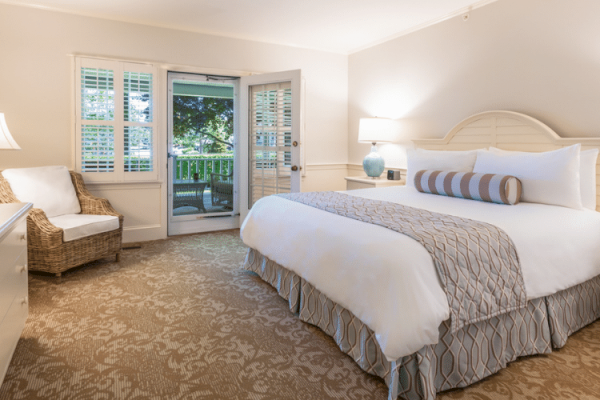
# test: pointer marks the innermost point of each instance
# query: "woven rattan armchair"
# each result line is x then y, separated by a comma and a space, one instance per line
221, 190
46, 250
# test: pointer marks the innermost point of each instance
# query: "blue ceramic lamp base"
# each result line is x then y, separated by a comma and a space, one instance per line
373, 164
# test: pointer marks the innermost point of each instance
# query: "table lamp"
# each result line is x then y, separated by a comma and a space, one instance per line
374, 130
6, 139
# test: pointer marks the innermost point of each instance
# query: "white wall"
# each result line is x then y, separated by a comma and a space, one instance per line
36, 95
538, 57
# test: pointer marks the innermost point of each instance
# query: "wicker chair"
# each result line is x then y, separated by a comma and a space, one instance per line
46, 250
221, 190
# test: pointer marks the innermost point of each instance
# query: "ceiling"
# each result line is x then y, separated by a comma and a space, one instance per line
340, 26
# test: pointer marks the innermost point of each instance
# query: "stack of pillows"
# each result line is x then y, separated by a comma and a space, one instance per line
564, 177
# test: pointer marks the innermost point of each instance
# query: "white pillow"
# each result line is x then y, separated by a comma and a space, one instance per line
587, 174
551, 177
48, 188
420, 159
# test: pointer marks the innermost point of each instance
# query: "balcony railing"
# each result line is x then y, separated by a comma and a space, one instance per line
186, 166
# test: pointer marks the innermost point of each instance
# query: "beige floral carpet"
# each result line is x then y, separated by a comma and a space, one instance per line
179, 319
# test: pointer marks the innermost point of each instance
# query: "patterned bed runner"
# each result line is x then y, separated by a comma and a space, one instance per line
477, 262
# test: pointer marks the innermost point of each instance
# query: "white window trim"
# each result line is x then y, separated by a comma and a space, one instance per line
118, 66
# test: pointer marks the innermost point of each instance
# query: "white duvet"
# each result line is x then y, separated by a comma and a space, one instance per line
388, 280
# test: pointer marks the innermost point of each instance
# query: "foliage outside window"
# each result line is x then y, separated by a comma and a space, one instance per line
203, 118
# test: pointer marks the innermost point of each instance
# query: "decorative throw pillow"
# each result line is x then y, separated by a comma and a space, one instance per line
502, 189
421, 159
551, 177
48, 188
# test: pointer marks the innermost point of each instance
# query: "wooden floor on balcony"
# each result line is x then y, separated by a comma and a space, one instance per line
189, 210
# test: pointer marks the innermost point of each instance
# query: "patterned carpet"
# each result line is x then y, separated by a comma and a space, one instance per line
179, 319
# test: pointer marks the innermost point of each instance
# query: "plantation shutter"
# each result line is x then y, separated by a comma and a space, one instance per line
116, 124
97, 117
270, 140
139, 116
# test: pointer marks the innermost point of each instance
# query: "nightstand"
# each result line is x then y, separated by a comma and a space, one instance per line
362, 182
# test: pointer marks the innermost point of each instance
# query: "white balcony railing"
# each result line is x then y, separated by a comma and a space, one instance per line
185, 168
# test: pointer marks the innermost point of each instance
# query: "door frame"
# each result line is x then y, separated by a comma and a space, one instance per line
197, 223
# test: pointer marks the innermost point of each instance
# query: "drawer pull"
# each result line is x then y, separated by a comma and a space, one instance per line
24, 237
24, 300
22, 268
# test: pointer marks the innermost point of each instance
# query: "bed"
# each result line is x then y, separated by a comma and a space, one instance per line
394, 322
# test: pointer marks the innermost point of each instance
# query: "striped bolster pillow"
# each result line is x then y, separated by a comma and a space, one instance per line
502, 189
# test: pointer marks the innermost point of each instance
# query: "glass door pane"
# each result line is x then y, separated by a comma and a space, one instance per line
202, 147
201, 153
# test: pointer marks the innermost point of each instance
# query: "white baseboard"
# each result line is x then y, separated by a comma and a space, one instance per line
140, 233
213, 224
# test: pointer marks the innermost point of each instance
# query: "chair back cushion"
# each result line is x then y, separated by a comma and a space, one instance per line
48, 188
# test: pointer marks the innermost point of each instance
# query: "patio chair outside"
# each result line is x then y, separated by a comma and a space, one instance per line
221, 190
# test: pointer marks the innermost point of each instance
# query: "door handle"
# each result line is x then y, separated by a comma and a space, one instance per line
295, 168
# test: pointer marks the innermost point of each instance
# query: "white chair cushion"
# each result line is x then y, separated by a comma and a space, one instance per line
77, 226
48, 188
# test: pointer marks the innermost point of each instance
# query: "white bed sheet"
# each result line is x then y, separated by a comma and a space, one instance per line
388, 280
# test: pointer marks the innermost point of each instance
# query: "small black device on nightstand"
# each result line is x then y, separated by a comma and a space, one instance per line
393, 175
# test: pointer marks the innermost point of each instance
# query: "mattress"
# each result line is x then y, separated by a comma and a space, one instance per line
388, 280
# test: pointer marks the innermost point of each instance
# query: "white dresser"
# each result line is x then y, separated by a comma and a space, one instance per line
13, 279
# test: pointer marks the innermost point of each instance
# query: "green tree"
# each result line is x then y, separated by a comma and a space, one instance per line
205, 122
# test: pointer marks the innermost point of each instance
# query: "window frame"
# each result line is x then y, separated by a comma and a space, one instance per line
118, 67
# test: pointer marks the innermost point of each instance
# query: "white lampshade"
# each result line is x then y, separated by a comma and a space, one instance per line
375, 130
6, 139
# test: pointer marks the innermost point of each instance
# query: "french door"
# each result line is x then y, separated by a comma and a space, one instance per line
202, 166
270, 143
215, 191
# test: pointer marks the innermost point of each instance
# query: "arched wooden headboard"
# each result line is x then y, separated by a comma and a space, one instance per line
508, 130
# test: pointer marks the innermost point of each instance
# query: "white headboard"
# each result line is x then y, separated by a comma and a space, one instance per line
507, 130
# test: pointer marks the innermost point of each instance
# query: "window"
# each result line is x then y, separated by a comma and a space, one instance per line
116, 127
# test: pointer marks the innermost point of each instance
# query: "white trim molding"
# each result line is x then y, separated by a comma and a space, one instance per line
462, 11
359, 167
142, 233
140, 21
325, 167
